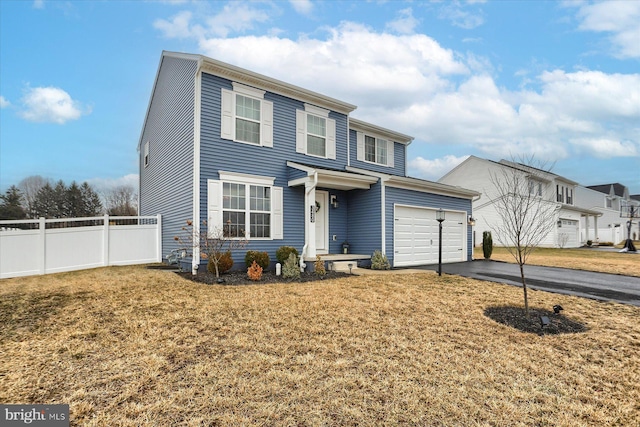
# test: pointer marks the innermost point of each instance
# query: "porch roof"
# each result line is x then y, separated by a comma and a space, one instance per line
332, 179
581, 211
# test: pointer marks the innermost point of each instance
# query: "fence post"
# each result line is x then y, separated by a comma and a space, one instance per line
105, 241
159, 237
42, 250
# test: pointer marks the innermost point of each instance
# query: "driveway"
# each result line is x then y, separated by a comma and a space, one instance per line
600, 286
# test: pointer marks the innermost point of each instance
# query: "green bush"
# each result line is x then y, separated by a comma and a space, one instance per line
379, 261
224, 265
290, 269
261, 258
487, 244
283, 252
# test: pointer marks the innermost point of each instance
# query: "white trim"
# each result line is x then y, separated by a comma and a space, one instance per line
317, 111
243, 178
248, 90
195, 259
383, 200
369, 129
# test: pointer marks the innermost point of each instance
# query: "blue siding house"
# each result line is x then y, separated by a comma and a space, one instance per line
282, 165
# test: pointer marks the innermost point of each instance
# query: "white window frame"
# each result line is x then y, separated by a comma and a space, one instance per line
302, 131
533, 184
146, 154
229, 117
216, 204
361, 153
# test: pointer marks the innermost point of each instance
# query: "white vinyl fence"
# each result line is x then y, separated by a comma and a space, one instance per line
42, 246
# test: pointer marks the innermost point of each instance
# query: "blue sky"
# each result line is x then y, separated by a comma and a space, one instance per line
560, 80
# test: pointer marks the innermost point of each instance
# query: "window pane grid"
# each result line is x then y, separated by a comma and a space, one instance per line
238, 216
370, 148
247, 119
234, 224
382, 151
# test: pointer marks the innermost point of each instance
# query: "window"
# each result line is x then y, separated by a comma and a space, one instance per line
569, 196
535, 188
316, 136
315, 132
376, 150
146, 154
246, 116
559, 195
609, 202
247, 119
245, 205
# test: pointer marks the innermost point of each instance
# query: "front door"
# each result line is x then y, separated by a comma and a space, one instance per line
322, 220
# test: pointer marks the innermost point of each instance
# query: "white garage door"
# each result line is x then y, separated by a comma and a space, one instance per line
568, 233
415, 236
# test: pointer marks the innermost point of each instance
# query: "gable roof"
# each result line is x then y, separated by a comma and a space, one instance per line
618, 189
359, 125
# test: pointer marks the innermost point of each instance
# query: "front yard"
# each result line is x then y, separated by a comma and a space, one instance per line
131, 346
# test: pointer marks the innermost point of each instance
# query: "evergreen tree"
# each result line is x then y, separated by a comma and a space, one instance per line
92, 205
75, 203
44, 204
11, 204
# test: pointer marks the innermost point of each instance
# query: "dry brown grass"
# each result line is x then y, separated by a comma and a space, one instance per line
581, 259
129, 346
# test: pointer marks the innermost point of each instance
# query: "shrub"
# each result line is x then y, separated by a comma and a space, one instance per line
290, 269
283, 252
487, 244
225, 262
319, 266
589, 243
254, 271
379, 261
261, 258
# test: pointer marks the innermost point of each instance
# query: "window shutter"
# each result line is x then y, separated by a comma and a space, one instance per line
301, 132
390, 152
227, 128
266, 133
331, 139
360, 146
214, 206
277, 221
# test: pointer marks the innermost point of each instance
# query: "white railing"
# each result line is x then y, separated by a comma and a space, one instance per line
42, 246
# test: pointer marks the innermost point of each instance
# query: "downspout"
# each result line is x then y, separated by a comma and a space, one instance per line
197, 232
307, 223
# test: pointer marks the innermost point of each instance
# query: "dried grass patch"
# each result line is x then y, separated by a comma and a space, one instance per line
130, 346
580, 259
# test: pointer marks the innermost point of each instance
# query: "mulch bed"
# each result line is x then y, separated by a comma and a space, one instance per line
240, 277
515, 317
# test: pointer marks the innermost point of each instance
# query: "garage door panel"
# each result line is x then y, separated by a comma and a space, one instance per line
416, 236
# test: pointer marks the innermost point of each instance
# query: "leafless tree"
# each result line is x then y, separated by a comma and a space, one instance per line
212, 244
29, 187
121, 200
527, 213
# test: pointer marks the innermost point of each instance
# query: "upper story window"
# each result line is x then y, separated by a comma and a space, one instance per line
244, 205
535, 188
564, 194
376, 150
146, 154
315, 132
246, 116
609, 202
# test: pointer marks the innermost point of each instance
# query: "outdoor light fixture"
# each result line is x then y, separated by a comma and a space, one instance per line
440, 218
544, 321
334, 201
350, 267
471, 221
557, 308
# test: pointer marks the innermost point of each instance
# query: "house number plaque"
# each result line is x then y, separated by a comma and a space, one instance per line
313, 213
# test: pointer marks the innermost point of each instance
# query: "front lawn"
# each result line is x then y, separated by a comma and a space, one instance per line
129, 346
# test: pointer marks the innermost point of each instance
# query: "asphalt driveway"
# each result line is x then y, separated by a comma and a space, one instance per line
600, 286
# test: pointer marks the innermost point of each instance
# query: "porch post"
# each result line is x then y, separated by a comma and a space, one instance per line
586, 228
595, 227
309, 219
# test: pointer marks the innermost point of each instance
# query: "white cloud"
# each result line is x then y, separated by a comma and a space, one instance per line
50, 104
460, 16
103, 185
235, 17
405, 22
433, 169
303, 7
4, 103
412, 84
621, 19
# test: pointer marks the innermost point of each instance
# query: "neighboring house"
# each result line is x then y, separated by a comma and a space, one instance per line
476, 173
286, 166
610, 200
